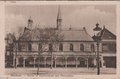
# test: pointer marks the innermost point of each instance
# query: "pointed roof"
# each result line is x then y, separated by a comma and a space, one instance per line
105, 34
59, 13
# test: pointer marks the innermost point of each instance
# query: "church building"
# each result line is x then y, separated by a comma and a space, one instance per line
77, 49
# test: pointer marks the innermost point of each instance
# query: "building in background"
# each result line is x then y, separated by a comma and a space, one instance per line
108, 48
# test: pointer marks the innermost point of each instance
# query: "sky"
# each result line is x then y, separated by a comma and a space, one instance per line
74, 16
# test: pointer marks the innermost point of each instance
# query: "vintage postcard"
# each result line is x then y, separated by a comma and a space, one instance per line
60, 39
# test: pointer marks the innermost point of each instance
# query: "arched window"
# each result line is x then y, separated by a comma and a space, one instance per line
71, 47
61, 47
19, 47
92, 48
40, 47
29, 47
81, 47
50, 47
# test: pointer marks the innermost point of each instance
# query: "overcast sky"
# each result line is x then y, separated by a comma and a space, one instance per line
74, 16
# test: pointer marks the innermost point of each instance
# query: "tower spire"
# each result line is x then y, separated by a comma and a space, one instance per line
59, 19
30, 22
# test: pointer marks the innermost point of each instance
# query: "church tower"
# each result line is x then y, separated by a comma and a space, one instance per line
59, 20
30, 23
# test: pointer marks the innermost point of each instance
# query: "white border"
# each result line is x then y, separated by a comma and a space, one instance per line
2, 42
2, 29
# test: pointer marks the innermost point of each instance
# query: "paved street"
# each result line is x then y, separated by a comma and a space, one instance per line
58, 71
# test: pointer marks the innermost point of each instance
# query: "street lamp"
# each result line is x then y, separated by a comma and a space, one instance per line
97, 39
39, 55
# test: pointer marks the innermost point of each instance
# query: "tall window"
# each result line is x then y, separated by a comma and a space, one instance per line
19, 47
81, 47
92, 48
71, 47
29, 47
61, 47
50, 47
40, 47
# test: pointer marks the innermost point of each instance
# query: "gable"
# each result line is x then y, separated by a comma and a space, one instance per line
107, 35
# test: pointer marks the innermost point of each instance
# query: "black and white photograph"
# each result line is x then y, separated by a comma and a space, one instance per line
65, 40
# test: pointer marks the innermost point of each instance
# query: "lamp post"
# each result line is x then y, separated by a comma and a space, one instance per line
97, 39
39, 55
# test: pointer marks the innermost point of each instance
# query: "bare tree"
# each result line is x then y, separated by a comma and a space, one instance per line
16, 44
51, 37
10, 38
45, 37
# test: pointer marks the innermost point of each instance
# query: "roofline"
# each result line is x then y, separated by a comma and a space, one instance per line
88, 34
107, 30
72, 30
58, 41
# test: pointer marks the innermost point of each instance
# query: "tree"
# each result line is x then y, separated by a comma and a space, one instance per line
44, 36
10, 38
48, 36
